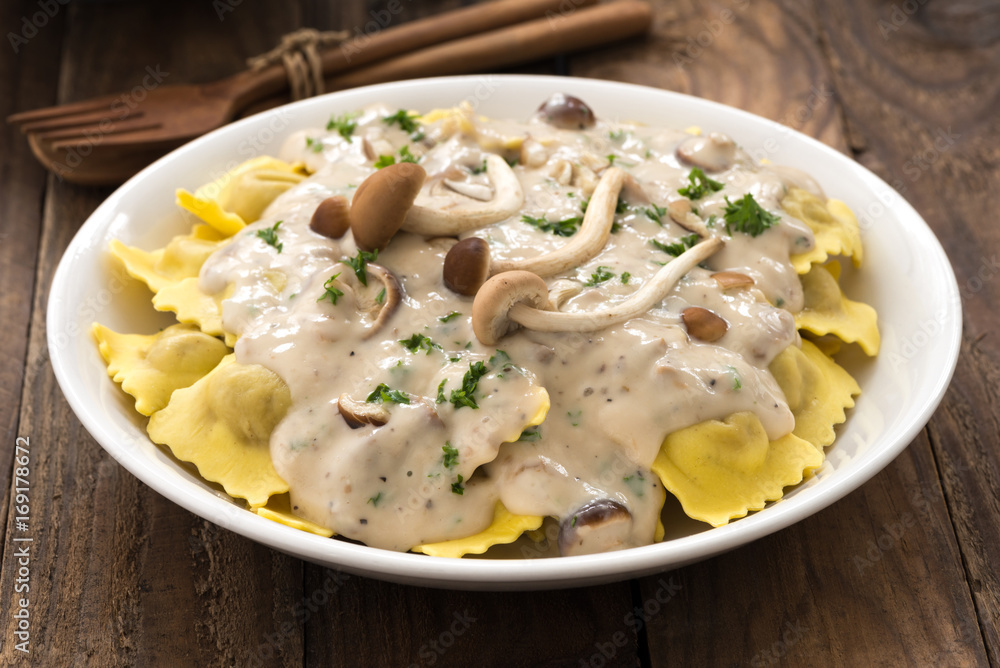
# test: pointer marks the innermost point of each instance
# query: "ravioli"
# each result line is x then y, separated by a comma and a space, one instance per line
720, 471
181, 258
817, 389
279, 509
151, 367
505, 528
833, 225
828, 311
192, 306
240, 196
222, 424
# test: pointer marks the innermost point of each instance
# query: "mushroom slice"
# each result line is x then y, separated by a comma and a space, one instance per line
479, 191
681, 213
704, 325
603, 525
449, 216
510, 299
562, 291
468, 263
359, 413
375, 307
714, 153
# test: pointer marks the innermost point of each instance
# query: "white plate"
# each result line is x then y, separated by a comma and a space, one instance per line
906, 277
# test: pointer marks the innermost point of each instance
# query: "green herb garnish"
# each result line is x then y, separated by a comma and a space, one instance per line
700, 185
529, 435
314, 145
440, 397
270, 236
456, 487
602, 274
385, 161
655, 214
344, 125
465, 396
332, 293
450, 459
404, 119
359, 264
746, 216
380, 297
384, 394
449, 317
625, 278
562, 228
375, 499
480, 169
677, 248
419, 342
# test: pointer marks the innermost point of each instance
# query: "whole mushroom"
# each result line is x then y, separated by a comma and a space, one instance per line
381, 203
332, 217
567, 112
714, 153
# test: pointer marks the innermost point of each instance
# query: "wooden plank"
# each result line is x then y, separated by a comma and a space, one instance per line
27, 77
919, 86
119, 575
766, 58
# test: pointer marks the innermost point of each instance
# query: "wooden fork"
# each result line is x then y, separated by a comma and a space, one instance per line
107, 139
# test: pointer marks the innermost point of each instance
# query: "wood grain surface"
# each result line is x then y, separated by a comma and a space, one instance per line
901, 572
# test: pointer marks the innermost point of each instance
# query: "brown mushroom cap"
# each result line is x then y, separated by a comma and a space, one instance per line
490, 310
331, 218
567, 112
467, 266
381, 203
599, 526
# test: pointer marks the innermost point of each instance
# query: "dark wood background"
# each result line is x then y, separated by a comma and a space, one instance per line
903, 571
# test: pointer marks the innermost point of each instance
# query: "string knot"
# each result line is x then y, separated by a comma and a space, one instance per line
299, 53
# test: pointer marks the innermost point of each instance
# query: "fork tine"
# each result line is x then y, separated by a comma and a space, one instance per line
79, 120
59, 110
87, 133
140, 135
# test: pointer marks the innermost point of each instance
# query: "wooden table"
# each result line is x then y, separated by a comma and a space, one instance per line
901, 572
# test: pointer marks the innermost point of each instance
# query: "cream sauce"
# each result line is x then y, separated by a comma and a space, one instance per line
614, 393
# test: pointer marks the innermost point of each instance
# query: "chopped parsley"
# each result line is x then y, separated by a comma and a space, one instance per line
480, 169
699, 185
677, 248
451, 316
440, 397
450, 459
375, 499
602, 274
359, 264
625, 278
405, 120
456, 487
314, 145
529, 435
574, 417
380, 297
617, 135
737, 383
466, 396
384, 394
419, 342
404, 156
332, 293
655, 214
562, 228
270, 236
344, 125
746, 216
